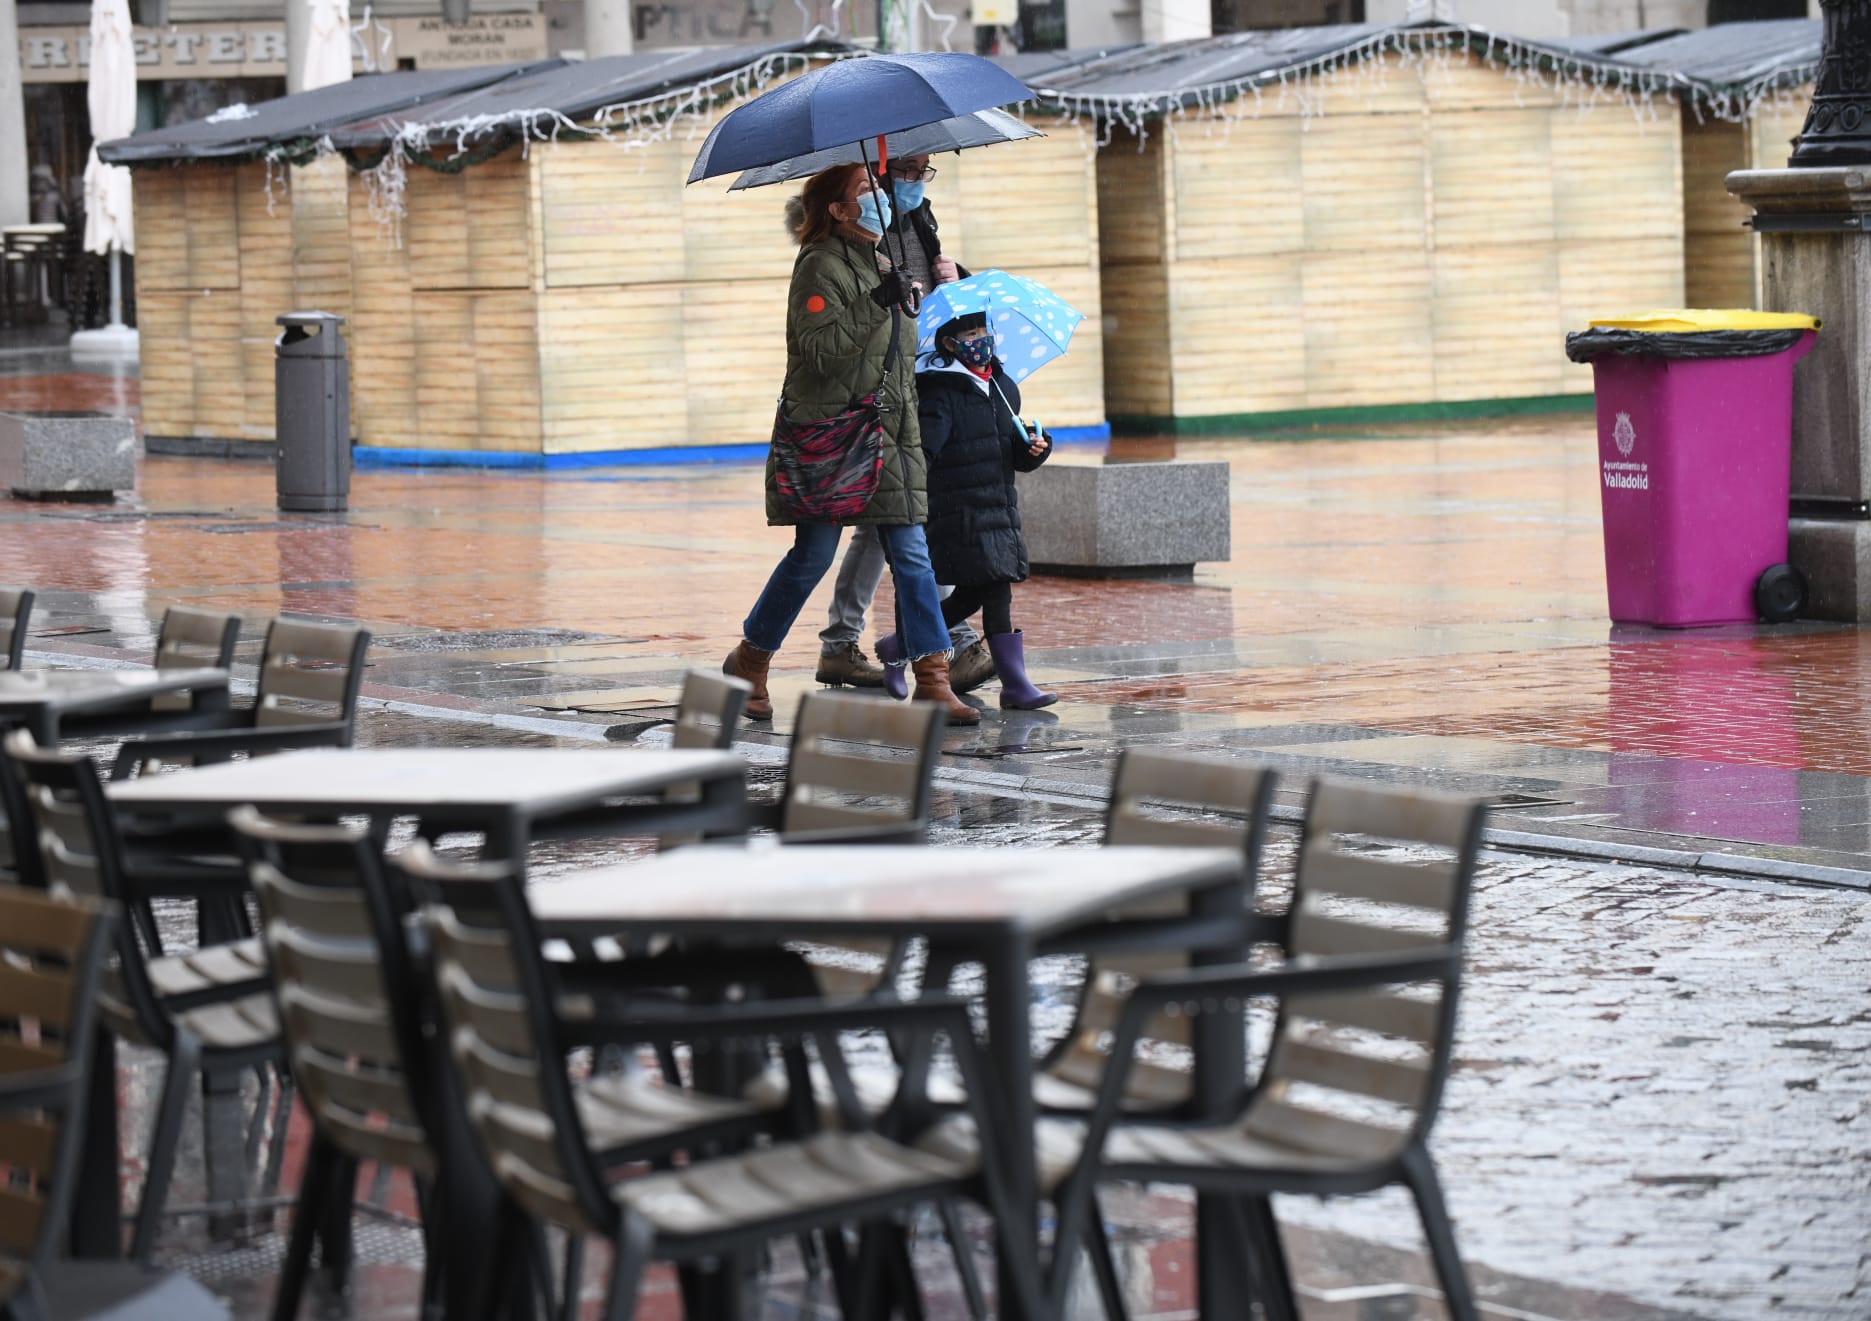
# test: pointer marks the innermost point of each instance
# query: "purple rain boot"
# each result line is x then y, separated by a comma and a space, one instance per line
896, 673
1016, 690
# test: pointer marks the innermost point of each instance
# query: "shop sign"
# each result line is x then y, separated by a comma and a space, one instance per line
258, 50
483, 39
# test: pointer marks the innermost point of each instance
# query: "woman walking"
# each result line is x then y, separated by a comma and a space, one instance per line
975, 442
845, 309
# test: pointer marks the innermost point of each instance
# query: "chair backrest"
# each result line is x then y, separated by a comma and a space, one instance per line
196, 639
19, 842
1381, 872
860, 761
349, 1005
51, 958
309, 674
502, 1032
709, 710
15, 611
1175, 800
193, 639
81, 853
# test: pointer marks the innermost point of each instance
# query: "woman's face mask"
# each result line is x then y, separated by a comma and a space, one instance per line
975, 353
874, 212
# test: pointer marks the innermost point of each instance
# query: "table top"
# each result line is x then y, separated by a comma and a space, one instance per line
412, 780
25, 690
766, 889
38, 227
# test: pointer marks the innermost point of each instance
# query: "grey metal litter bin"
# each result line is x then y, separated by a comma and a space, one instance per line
312, 412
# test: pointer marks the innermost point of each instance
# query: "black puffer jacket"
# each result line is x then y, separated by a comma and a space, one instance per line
975, 446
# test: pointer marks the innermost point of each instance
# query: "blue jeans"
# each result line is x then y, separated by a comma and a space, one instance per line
814, 547
858, 576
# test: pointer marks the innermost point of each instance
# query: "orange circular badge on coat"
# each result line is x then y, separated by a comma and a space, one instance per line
815, 304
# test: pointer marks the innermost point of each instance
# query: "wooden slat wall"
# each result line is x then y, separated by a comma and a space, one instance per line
1430, 237
470, 230
265, 291
662, 307
382, 331
1618, 189
188, 303
477, 370
1718, 250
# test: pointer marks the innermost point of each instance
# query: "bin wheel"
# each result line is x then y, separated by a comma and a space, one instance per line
1780, 594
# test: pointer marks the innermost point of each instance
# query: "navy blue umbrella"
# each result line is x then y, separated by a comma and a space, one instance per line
854, 100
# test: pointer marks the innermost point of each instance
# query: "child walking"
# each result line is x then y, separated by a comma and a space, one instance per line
968, 409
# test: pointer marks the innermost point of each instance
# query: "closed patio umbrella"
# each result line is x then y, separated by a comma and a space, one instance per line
325, 56
109, 224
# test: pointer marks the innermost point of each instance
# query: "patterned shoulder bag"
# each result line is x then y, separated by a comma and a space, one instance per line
827, 471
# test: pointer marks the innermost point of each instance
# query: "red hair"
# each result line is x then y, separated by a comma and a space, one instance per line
809, 215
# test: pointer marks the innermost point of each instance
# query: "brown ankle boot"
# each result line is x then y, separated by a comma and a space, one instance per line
932, 686
750, 663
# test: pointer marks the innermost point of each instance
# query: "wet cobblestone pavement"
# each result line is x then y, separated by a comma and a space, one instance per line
1661, 1103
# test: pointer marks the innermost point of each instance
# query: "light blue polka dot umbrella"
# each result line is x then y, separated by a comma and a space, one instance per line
1032, 324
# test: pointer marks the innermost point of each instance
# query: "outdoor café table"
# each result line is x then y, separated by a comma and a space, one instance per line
999, 907
512, 795
109, 702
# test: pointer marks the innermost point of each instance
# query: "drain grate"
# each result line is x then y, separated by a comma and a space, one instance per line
1511, 801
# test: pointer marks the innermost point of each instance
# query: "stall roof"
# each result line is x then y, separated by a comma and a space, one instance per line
1724, 68
1172, 69
1734, 57
1611, 43
306, 116
1037, 65
572, 91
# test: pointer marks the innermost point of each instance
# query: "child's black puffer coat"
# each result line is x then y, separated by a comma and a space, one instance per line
975, 446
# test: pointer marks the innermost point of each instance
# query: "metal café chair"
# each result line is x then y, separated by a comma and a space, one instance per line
1353, 1080
709, 710
15, 612
861, 771
353, 1026
507, 1040
1163, 799
309, 679
190, 639
53, 951
209, 1010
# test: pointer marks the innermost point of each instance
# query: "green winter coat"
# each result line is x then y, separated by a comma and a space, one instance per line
835, 343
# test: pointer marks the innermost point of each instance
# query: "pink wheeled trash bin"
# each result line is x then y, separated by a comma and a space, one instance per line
1695, 419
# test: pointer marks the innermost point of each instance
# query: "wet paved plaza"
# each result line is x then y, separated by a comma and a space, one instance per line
1660, 1104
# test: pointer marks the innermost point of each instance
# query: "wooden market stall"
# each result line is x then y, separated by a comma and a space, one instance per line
1753, 84
239, 219
571, 301
1363, 217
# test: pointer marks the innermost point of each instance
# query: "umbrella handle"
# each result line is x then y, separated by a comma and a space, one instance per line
883, 154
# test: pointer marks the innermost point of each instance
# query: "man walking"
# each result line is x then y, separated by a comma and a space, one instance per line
915, 248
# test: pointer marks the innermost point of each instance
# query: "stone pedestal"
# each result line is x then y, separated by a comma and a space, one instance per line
1125, 520
67, 456
1815, 227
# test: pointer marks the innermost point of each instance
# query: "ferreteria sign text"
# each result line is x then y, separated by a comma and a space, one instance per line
258, 50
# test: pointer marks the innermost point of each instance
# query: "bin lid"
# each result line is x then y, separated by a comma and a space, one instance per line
1690, 320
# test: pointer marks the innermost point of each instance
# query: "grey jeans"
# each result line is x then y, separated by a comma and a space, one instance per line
858, 575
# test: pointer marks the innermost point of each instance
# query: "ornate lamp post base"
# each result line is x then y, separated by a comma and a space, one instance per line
1838, 127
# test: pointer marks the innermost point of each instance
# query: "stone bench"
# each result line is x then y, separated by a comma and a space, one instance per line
67, 456
1125, 520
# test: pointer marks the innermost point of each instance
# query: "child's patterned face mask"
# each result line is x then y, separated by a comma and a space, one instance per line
976, 353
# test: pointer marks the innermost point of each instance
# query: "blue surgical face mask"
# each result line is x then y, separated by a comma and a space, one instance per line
869, 215
909, 195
